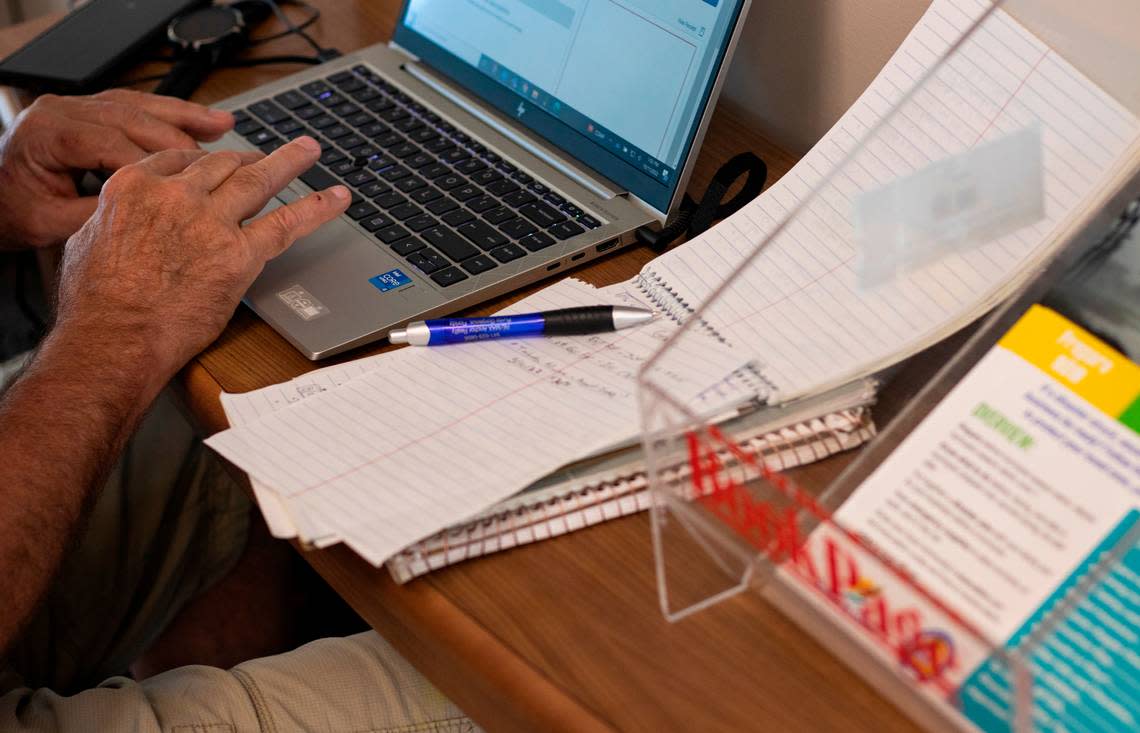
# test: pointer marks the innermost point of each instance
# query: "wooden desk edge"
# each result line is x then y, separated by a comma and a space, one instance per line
490, 683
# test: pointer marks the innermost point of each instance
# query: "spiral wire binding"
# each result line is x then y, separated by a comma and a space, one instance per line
783, 448
669, 302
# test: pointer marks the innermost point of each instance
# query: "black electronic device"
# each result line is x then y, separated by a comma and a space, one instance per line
80, 52
206, 38
208, 26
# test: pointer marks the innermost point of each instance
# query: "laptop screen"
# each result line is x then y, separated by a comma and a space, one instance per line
621, 85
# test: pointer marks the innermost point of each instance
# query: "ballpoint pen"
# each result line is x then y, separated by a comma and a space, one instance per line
564, 322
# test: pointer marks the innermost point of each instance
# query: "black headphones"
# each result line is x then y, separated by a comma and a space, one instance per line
208, 26
207, 38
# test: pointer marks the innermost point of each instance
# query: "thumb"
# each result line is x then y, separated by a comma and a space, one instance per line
74, 213
66, 216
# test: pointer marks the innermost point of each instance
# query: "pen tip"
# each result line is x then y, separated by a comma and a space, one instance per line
625, 317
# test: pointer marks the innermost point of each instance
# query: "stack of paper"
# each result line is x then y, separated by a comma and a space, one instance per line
424, 438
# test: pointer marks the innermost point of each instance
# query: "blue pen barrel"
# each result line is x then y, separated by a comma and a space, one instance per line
465, 330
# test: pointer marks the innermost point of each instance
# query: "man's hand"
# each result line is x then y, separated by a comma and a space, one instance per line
165, 258
58, 137
147, 282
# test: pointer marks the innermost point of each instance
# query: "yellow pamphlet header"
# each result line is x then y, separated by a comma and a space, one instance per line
1075, 358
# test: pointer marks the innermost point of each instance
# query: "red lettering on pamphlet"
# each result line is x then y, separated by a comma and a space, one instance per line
718, 474
841, 569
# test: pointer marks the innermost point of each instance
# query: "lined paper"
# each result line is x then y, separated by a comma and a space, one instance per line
798, 308
246, 408
437, 435
249, 407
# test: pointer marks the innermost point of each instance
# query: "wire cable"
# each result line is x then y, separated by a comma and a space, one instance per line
242, 63
322, 53
313, 17
293, 29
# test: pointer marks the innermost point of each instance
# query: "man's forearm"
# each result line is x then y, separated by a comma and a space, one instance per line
62, 425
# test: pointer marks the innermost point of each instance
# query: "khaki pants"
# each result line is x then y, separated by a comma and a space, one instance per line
353, 685
168, 525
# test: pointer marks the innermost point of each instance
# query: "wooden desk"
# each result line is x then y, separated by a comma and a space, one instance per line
566, 634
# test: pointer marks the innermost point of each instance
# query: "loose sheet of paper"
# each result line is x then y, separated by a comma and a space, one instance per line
437, 435
799, 309
243, 409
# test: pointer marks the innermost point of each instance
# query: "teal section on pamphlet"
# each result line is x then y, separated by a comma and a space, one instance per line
1086, 665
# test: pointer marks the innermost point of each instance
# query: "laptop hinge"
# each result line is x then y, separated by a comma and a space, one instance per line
589, 182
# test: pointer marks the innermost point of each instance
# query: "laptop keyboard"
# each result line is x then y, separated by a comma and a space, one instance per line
428, 191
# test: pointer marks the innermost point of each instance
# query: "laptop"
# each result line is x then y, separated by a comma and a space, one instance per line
490, 144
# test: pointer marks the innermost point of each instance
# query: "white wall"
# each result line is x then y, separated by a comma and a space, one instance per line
801, 63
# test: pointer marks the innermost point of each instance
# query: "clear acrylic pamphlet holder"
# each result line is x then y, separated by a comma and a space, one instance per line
727, 521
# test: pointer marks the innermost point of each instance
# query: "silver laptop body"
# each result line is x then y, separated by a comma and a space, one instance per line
341, 287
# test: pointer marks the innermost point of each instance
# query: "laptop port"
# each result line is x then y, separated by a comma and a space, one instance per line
555, 266
606, 246
578, 256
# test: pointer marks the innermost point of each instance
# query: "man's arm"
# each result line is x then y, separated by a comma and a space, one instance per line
146, 283
61, 425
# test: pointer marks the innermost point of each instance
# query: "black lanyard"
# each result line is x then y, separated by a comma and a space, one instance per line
695, 218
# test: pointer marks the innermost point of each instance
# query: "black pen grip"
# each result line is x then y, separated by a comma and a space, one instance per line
578, 321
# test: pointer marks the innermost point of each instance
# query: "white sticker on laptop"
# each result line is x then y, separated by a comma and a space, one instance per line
303, 303
949, 206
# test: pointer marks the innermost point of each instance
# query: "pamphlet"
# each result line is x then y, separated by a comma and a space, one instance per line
1018, 490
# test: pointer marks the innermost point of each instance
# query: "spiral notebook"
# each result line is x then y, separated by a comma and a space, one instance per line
800, 304
581, 495
614, 485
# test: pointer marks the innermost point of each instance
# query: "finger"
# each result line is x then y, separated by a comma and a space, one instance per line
211, 171
202, 123
250, 187
81, 145
144, 129
171, 162
273, 233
